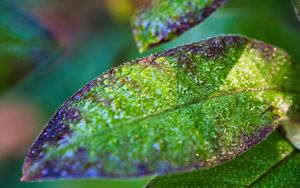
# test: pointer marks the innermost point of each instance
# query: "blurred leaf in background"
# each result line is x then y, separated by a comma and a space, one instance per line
24, 44
50, 86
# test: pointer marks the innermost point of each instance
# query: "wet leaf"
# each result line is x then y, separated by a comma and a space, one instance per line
285, 174
296, 4
159, 21
24, 44
240, 172
188, 108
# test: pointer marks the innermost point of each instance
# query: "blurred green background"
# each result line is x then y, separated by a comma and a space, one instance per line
94, 36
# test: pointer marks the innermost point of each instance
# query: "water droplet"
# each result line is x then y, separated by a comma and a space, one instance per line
156, 146
158, 91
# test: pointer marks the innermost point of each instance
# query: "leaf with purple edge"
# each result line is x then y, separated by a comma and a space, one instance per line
158, 21
24, 43
189, 108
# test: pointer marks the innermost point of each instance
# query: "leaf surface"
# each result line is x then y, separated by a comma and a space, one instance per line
285, 174
24, 43
159, 21
188, 108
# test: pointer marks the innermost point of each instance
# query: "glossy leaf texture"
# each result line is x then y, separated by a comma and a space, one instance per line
24, 43
159, 21
188, 108
296, 4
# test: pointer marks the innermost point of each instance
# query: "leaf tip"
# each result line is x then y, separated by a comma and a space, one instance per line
25, 175
24, 178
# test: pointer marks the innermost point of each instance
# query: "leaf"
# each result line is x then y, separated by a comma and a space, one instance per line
285, 174
159, 21
296, 4
240, 172
24, 44
188, 108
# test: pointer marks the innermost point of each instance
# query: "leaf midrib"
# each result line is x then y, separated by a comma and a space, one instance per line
132, 122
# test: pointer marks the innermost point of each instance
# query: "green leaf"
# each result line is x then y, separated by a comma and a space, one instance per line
285, 174
240, 172
188, 108
296, 4
161, 20
24, 44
